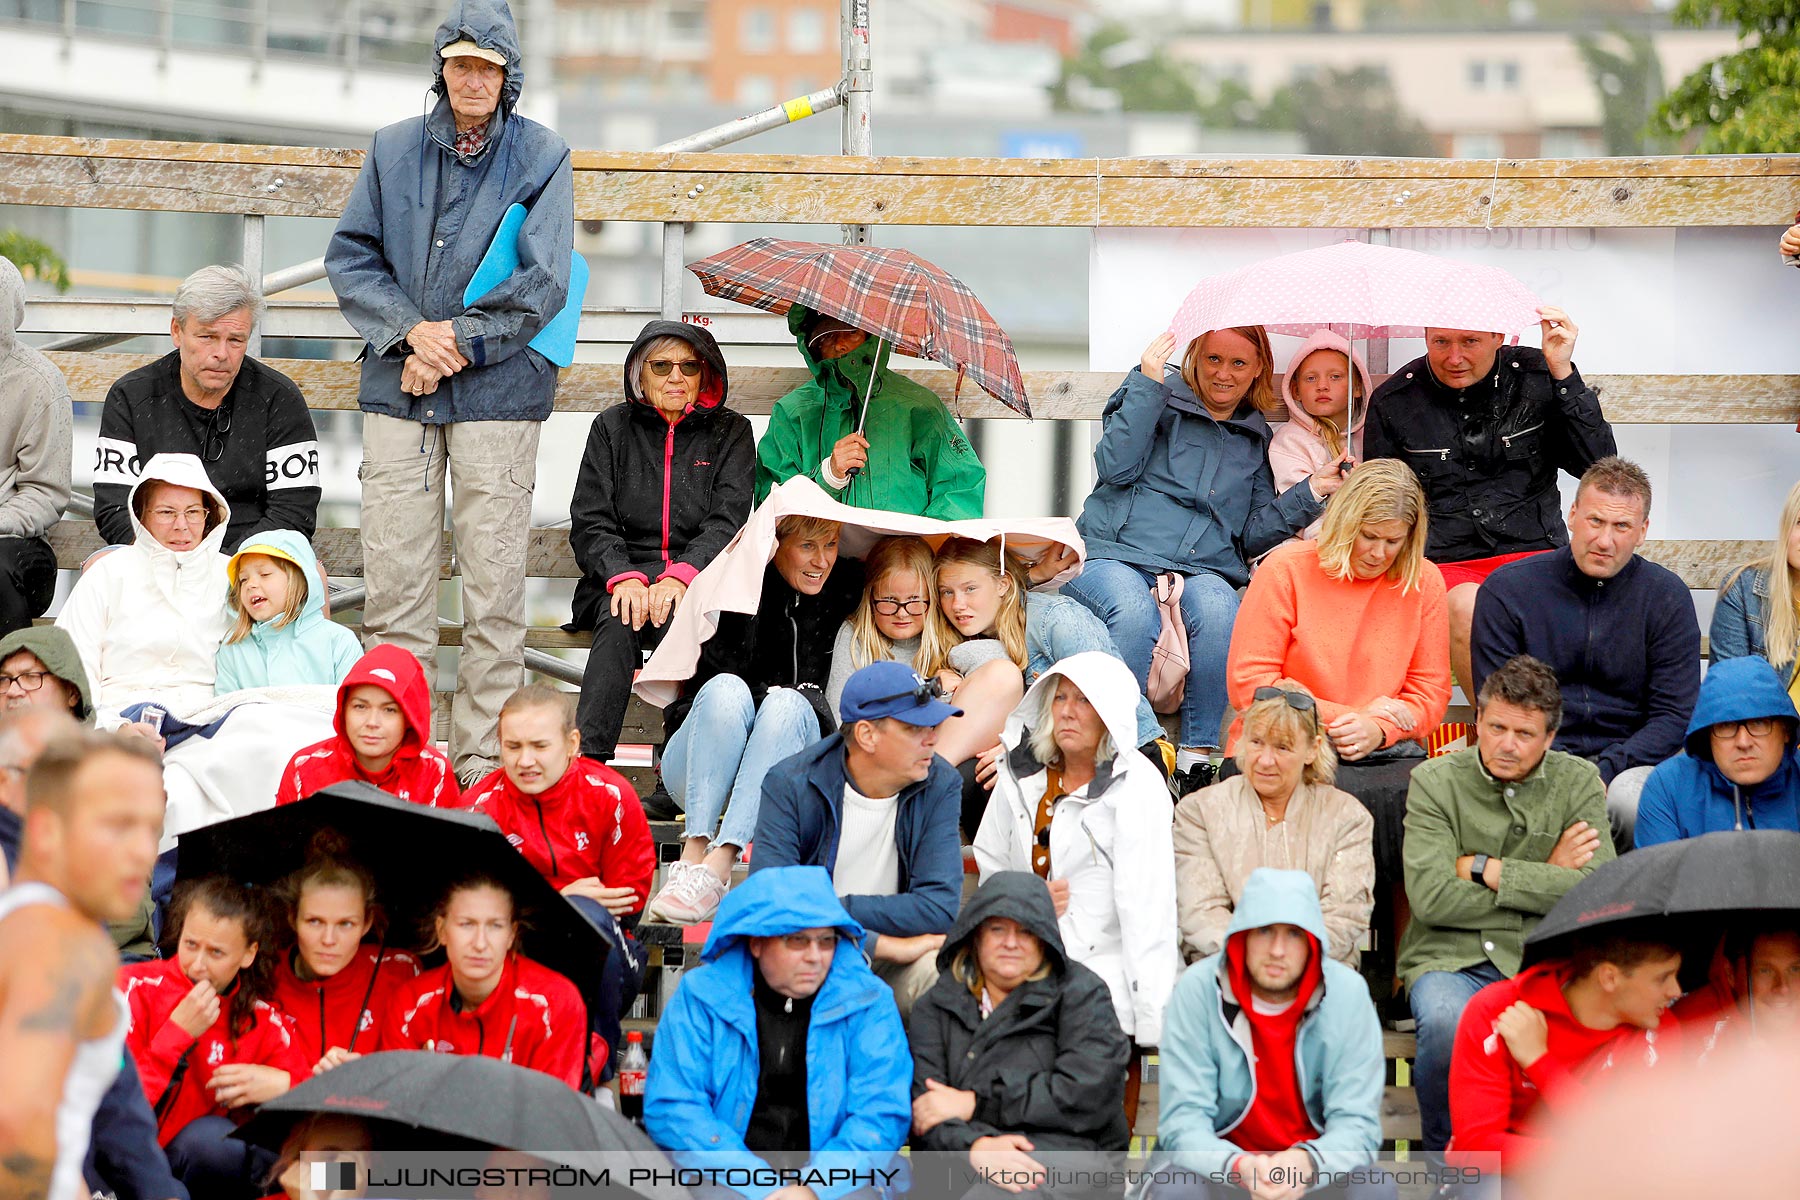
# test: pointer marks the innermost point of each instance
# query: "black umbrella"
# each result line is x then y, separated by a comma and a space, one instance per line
405, 1094
414, 853
1692, 888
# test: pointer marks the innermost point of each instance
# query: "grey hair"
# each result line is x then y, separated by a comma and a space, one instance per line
656, 346
1042, 728
217, 291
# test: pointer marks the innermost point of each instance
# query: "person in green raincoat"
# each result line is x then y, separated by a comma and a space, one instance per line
910, 456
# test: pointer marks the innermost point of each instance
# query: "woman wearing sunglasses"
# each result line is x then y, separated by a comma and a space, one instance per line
1357, 619
664, 484
1280, 811
1075, 802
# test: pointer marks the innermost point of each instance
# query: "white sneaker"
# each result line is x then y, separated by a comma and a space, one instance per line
691, 896
672, 874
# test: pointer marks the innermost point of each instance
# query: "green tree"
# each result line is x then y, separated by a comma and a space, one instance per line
1742, 102
35, 259
1630, 84
1142, 75
1352, 112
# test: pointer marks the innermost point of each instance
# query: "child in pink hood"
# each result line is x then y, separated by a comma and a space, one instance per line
1321, 393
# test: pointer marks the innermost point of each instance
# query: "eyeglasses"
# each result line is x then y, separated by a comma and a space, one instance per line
218, 424
1298, 701
799, 943
889, 606
660, 367
195, 515
28, 681
927, 690
1724, 731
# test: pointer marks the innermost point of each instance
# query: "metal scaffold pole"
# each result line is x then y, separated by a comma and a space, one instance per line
859, 71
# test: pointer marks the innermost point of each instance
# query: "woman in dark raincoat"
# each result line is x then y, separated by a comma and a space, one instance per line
1017, 1052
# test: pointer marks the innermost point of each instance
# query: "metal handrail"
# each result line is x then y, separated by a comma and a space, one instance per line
273, 283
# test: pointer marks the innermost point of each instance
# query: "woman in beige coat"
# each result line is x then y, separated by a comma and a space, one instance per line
1279, 811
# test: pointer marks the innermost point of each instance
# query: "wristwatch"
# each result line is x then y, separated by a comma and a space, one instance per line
1478, 869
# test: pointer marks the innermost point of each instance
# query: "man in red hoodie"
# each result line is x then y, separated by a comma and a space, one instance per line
383, 737
1536, 1040
580, 824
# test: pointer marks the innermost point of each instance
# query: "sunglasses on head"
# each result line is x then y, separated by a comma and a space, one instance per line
923, 693
660, 367
1298, 701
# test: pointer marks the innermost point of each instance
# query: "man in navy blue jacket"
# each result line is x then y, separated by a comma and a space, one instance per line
1618, 630
877, 808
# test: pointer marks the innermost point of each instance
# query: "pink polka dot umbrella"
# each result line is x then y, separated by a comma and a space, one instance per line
1361, 291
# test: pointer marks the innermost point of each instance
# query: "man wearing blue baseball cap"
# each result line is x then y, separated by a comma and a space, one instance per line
875, 807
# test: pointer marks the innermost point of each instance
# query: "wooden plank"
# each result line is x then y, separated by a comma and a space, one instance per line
1305, 193
331, 386
1398, 1045
1702, 564
1400, 1113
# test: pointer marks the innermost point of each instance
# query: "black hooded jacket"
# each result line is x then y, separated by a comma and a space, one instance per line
1487, 455
786, 642
654, 499
1049, 1062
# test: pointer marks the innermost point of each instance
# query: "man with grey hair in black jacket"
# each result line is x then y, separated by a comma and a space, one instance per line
246, 421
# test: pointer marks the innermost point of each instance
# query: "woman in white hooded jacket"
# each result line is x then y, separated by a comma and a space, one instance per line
1105, 845
148, 618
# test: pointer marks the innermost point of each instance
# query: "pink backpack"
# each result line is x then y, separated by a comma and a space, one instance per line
1169, 657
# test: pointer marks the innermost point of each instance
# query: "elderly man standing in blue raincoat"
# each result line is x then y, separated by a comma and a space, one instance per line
448, 383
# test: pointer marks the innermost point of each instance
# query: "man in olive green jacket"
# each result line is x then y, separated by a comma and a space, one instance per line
1494, 837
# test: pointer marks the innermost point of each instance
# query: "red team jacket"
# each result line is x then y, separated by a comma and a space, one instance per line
346, 1009
419, 772
157, 1045
588, 823
1494, 1102
535, 1019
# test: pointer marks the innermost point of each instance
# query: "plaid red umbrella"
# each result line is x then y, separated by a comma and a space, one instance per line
922, 309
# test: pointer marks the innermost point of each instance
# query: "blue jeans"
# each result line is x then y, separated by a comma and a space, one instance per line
1120, 595
716, 761
1438, 999
213, 1164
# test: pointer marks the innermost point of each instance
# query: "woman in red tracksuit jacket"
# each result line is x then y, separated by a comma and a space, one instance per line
332, 988
577, 821
205, 1040
580, 824
487, 998
383, 737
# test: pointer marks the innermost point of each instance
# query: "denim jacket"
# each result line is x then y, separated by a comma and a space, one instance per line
1740, 622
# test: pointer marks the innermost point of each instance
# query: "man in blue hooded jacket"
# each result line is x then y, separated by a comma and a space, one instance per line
1738, 770
782, 1055
448, 385
1272, 1069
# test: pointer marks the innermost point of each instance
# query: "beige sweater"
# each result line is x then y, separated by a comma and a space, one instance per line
1221, 835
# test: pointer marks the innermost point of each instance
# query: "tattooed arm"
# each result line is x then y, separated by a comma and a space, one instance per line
56, 977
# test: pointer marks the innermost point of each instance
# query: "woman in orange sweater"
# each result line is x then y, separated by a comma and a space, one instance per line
1356, 618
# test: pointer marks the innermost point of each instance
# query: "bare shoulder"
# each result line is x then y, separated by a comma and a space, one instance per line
56, 973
